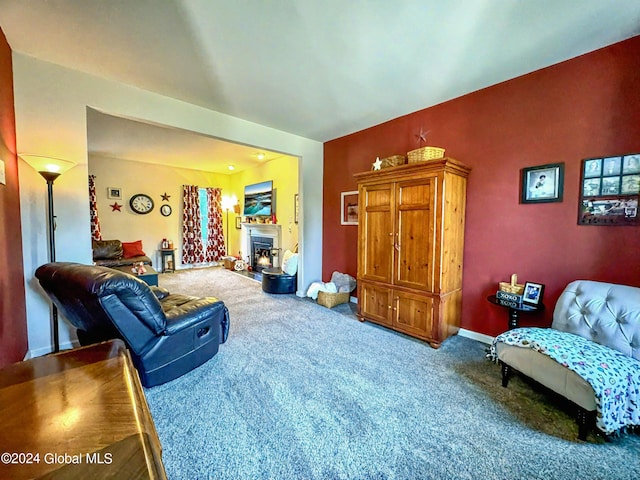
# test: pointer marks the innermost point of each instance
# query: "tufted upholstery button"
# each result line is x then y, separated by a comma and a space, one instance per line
584, 311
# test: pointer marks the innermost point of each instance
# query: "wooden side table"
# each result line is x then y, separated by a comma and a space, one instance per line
515, 309
79, 413
168, 260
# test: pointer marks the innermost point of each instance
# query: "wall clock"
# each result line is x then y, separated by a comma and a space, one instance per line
141, 203
165, 210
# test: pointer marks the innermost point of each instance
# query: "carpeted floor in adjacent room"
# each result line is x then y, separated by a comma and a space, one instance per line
303, 392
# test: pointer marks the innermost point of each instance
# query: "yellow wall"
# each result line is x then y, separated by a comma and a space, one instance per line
155, 180
284, 173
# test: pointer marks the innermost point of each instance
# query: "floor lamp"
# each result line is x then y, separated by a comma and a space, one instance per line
50, 169
227, 204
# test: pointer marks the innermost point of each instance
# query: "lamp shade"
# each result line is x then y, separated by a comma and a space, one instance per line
41, 163
228, 202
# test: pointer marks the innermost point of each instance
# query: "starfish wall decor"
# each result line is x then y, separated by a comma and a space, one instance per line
165, 197
422, 136
115, 207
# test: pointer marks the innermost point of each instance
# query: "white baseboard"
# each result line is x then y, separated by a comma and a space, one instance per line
480, 337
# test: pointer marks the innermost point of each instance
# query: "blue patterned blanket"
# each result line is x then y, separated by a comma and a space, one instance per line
615, 377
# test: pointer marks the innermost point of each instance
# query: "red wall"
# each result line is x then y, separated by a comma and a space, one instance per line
585, 107
13, 321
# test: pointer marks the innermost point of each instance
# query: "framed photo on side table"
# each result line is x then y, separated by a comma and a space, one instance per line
533, 293
542, 184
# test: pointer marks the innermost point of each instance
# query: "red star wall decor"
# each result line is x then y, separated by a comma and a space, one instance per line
165, 197
115, 207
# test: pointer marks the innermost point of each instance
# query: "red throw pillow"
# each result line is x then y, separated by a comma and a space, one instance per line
132, 249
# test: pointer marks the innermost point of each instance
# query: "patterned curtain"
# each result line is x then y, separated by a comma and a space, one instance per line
93, 209
215, 235
192, 248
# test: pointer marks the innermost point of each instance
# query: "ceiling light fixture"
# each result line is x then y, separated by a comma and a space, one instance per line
231, 167
261, 156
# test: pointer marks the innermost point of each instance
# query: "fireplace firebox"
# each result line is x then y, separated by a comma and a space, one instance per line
261, 253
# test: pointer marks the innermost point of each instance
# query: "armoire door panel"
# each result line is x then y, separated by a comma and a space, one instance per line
376, 261
413, 314
415, 235
375, 303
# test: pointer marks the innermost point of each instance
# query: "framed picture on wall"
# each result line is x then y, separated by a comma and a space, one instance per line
238, 222
609, 191
114, 192
542, 184
349, 208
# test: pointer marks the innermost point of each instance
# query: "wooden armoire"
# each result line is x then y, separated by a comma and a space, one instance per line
410, 247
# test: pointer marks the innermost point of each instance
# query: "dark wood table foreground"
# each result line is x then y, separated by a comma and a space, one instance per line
77, 414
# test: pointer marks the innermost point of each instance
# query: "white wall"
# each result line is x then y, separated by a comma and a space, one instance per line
51, 102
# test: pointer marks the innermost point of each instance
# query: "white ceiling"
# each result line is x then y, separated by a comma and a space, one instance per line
116, 137
320, 69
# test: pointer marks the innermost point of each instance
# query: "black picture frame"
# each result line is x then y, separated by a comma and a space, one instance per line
610, 191
542, 184
532, 294
238, 223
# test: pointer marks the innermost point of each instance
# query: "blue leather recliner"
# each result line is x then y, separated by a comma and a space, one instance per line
167, 334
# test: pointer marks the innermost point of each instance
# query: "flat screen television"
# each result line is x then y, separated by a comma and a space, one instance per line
258, 199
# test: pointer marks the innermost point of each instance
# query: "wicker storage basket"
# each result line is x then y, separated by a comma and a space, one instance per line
330, 300
425, 153
393, 161
229, 263
518, 288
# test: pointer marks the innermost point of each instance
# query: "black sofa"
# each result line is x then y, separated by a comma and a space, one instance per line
110, 253
168, 334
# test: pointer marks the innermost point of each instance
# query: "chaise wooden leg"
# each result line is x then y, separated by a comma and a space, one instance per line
506, 373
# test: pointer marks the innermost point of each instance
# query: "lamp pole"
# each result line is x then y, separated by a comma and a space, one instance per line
227, 231
50, 178
50, 168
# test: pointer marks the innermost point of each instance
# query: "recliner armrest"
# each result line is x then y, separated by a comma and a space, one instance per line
183, 311
159, 292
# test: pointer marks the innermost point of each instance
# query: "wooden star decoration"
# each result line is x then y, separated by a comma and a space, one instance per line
165, 197
422, 136
377, 165
115, 207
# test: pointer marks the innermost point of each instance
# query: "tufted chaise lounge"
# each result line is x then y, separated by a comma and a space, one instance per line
593, 342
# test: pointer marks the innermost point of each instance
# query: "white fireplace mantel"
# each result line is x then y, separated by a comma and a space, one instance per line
269, 230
